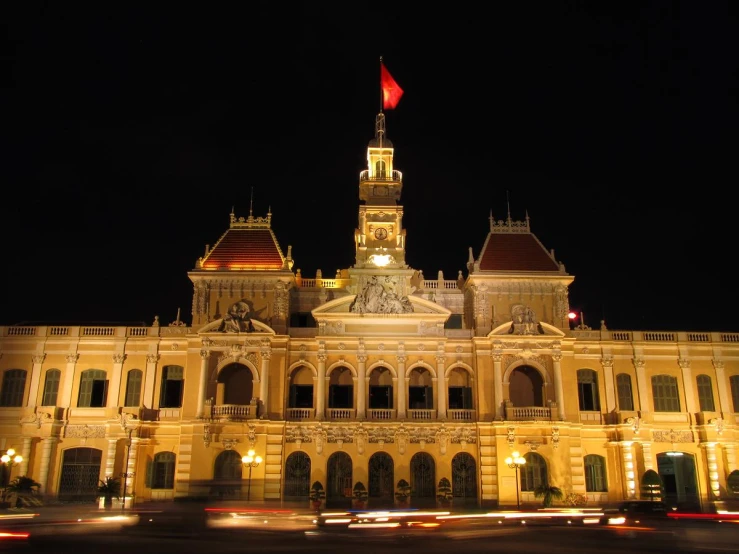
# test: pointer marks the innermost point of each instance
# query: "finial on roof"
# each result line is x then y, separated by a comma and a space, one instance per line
508, 202
251, 203
492, 220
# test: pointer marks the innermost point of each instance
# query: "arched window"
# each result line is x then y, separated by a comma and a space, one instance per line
705, 393
51, 387
14, 385
587, 390
172, 386
301, 388
133, 388
665, 394
595, 473
534, 472
420, 390
163, 471
734, 382
93, 389
625, 395
341, 388
459, 390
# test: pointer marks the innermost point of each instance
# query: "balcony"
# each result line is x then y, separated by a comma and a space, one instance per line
231, 412
340, 414
421, 415
299, 414
462, 415
380, 415
529, 413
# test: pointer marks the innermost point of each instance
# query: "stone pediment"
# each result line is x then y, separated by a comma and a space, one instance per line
515, 328
426, 318
219, 326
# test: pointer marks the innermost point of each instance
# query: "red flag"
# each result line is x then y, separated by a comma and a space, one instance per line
391, 92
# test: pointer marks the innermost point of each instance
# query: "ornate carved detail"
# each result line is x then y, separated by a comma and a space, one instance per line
207, 435
380, 295
672, 436
72, 358
718, 364
555, 437
319, 436
442, 437
718, 423
128, 421
119, 358
511, 436
175, 346
229, 443
463, 436
401, 437
360, 437
683, 363
252, 357
634, 422
639, 363
298, 434
533, 445
154, 358
38, 359
339, 435
84, 432
440, 359
362, 358
38, 419
607, 361
401, 358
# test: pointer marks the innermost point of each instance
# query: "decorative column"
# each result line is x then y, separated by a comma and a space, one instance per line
65, 399
266, 352
558, 388
110, 458
627, 457
150, 379
115, 380
688, 385
43, 476
130, 469
35, 380
607, 363
203, 384
641, 384
321, 384
722, 386
712, 465
441, 387
730, 456
401, 387
498, 382
26, 453
361, 387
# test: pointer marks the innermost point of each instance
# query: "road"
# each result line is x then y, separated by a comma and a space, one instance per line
186, 532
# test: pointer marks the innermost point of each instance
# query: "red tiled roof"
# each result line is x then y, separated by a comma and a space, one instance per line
245, 249
515, 252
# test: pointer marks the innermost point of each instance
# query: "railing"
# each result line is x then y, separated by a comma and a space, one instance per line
300, 413
233, 411
323, 283
424, 415
435, 284
340, 413
461, 415
591, 417
380, 414
394, 175
528, 413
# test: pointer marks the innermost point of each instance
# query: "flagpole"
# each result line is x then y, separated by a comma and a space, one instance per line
381, 93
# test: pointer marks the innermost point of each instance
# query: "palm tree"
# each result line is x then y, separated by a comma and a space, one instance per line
23, 487
108, 488
549, 493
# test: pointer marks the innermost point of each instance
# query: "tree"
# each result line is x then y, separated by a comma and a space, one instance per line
108, 488
548, 493
22, 487
317, 494
403, 491
359, 494
444, 492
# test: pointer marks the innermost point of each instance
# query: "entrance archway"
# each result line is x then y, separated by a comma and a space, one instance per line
423, 480
464, 480
678, 474
80, 475
381, 476
339, 481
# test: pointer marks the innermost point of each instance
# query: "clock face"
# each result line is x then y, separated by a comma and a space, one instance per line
381, 233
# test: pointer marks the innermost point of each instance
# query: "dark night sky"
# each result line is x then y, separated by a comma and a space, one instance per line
129, 132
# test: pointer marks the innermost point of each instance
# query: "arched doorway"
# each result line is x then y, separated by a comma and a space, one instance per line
339, 481
80, 475
227, 476
464, 480
526, 387
678, 473
235, 385
297, 477
423, 480
381, 477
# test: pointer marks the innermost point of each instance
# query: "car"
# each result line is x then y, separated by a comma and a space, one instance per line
635, 512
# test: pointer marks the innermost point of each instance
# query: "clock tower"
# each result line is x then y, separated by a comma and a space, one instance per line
380, 237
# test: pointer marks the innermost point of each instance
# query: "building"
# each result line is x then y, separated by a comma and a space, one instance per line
373, 376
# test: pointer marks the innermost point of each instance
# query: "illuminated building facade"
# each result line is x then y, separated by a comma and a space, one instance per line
373, 376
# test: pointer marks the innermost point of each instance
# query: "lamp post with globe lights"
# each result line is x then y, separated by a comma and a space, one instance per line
251, 461
516, 461
9, 459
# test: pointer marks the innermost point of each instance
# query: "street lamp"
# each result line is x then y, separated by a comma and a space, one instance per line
252, 461
516, 461
9, 459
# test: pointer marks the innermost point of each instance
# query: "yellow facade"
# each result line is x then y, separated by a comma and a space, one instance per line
375, 375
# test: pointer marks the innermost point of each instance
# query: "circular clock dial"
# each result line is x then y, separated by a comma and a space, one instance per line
381, 233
